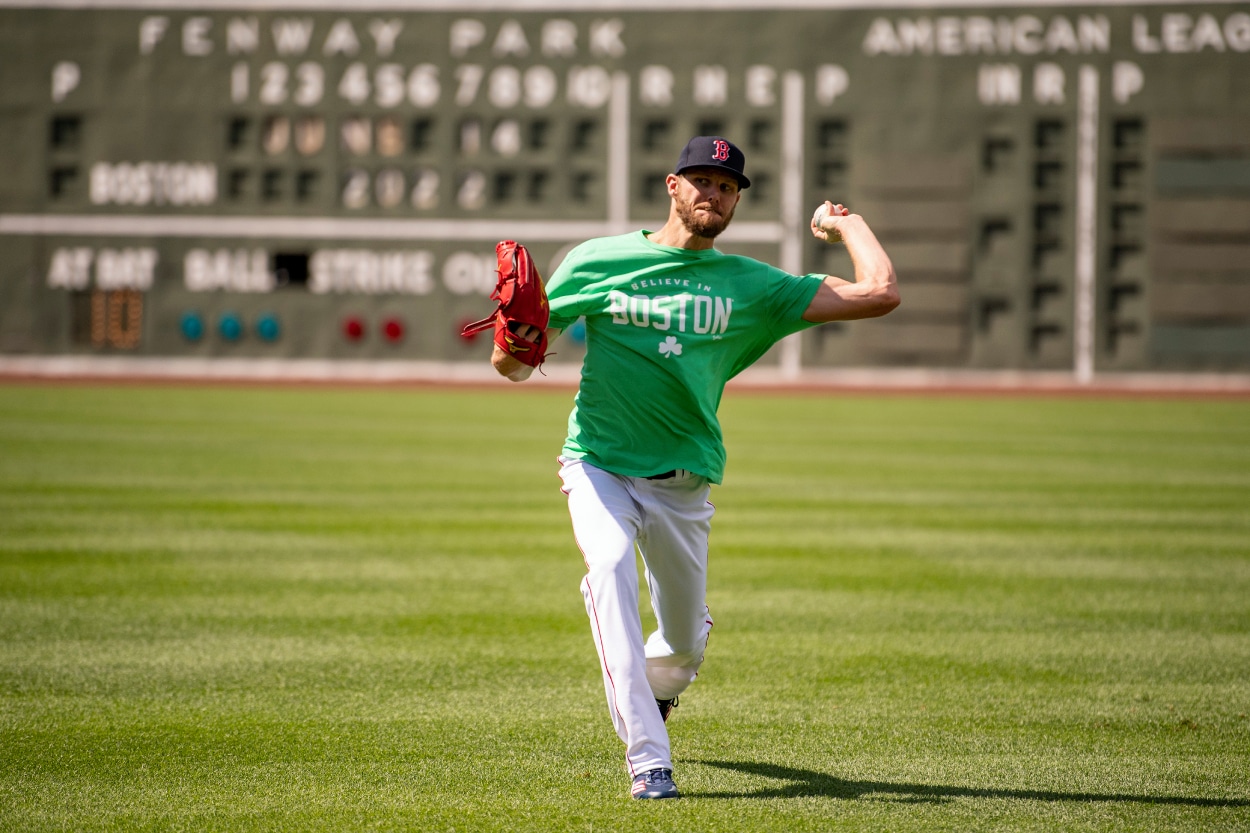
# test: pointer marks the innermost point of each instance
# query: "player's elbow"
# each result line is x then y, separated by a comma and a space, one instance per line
880, 283
888, 300
882, 301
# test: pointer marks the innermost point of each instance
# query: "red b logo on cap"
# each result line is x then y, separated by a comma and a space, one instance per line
721, 152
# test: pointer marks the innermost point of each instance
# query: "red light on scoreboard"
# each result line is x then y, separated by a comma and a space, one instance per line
393, 330
353, 328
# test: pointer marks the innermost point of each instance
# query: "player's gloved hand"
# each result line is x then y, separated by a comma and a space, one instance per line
520, 319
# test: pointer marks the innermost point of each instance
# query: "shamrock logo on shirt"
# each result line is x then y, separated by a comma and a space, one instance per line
670, 347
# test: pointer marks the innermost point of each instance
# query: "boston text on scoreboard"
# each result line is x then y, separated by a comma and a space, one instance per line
1062, 187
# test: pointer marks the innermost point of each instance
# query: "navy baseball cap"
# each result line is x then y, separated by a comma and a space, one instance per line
714, 152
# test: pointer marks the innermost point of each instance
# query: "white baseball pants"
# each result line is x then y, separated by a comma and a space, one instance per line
668, 521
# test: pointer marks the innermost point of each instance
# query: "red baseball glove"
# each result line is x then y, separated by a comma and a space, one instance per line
522, 300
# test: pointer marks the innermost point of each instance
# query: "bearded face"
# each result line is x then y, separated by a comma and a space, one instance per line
705, 203
703, 221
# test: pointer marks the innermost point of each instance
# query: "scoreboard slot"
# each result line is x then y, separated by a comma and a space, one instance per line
64, 146
63, 182
107, 320
290, 269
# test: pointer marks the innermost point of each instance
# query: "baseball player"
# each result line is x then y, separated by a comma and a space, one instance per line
669, 320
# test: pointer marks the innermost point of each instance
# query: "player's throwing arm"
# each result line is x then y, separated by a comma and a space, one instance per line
874, 292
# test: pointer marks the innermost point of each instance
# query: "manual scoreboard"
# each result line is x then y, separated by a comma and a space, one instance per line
1061, 187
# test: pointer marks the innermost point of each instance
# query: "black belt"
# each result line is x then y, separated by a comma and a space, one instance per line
663, 476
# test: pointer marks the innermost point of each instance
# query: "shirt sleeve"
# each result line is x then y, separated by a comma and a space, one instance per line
566, 295
791, 295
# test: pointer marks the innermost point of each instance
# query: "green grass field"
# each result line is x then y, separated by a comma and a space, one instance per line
235, 609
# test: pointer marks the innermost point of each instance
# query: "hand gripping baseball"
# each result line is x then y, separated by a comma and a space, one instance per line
826, 220
520, 319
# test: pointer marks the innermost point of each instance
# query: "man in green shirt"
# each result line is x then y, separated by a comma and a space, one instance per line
669, 321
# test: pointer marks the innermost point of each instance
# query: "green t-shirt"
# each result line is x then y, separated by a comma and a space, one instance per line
666, 328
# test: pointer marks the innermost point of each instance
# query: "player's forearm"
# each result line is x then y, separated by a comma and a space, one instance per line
874, 271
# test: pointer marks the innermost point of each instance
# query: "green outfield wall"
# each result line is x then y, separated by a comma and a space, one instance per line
1061, 186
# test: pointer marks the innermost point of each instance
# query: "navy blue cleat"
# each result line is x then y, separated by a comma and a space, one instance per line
666, 707
656, 783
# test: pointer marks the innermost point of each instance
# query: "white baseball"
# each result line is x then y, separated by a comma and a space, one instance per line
821, 213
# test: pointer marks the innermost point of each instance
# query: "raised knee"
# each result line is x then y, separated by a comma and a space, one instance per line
668, 681
685, 658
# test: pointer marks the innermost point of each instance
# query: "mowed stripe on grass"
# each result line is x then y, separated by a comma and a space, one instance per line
237, 609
